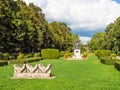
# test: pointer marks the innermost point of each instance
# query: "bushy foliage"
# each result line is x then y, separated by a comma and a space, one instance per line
102, 53
108, 61
28, 60
117, 65
50, 53
36, 55
113, 56
20, 56
5, 56
68, 55
2, 63
84, 55
1, 55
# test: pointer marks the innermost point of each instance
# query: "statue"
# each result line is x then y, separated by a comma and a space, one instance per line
77, 46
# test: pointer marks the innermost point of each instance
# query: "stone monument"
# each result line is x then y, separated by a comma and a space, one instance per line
77, 54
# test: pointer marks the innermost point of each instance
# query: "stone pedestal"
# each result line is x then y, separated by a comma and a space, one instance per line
77, 54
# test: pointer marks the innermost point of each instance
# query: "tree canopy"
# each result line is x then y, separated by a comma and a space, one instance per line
23, 28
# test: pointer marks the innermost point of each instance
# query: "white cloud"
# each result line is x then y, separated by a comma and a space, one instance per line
85, 39
85, 14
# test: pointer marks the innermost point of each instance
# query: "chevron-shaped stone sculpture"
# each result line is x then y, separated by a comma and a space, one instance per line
27, 71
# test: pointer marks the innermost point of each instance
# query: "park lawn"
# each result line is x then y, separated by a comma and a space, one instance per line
70, 75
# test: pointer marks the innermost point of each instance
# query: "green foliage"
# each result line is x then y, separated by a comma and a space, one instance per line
102, 53
108, 61
85, 55
20, 56
6, 56
50, 53
62, 38
1, 55
2, 63
29, 55
68, 55
117, 65
113, 56
112, 36
36, 55
28, 60
97, 41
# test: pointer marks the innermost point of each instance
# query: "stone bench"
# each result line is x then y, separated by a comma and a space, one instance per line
28, 71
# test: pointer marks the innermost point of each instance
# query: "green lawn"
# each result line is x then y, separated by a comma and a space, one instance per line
70, 75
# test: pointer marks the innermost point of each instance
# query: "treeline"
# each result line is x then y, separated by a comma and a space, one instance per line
23, 28
108, 40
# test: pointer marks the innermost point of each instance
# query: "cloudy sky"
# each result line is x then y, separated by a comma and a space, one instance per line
85, 17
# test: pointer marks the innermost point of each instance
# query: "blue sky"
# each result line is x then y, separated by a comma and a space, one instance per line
84, 17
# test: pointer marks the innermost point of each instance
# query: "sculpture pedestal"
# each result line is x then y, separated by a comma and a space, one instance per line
77, 54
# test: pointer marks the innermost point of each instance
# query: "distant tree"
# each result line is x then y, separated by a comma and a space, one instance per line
97, 41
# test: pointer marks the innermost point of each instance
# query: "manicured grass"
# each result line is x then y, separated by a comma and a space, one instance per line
70, 75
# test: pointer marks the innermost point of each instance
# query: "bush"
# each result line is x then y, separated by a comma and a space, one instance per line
28, 55
117, 65
113, 56
16, 61
84, 55
108, 61
69, 55
1, 55
50, 53
6, 56
2, 63
22, 61
36, 55
102, 53
20, 56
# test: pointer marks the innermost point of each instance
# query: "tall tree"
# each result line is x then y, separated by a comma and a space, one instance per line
97, 41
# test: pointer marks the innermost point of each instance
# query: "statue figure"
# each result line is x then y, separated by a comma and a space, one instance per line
77, 45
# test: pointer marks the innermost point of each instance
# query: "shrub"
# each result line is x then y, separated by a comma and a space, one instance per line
6, 56
113, 56
2, 63
22, 61
20, 56
117, 65
36, 55
108, 61
84, 55
102, 53
62, 53
50, 53
28, 55
1, 55
69, 55
16, 61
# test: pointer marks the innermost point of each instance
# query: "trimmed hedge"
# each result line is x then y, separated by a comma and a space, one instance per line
102, 53
117, 65
2, 63
22, 61
50, 53
108, 61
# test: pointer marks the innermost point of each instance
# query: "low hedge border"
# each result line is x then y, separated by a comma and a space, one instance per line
22, 61
108, 61
117, 65
3, 63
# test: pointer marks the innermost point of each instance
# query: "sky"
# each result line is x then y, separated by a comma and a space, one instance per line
84, 17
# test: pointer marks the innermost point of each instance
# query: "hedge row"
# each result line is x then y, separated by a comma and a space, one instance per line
2, 63
117, 65
102, 53
50, 53
108, 61
22, 61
